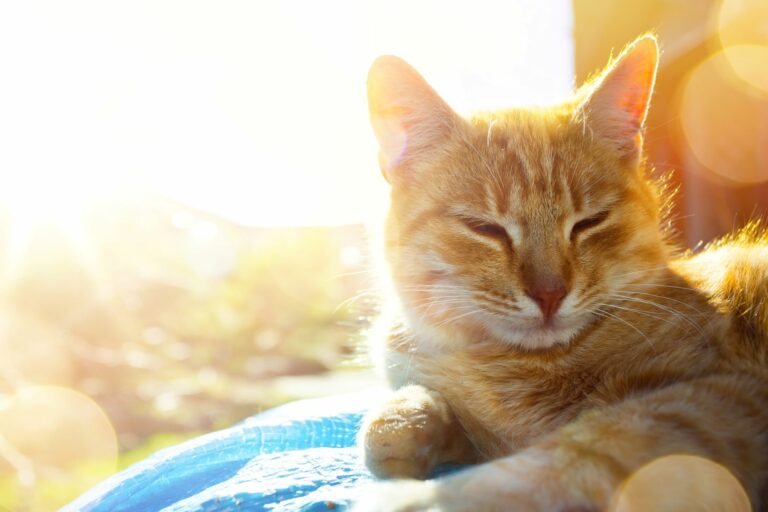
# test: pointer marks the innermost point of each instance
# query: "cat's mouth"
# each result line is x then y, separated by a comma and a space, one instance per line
549, 327
534, 334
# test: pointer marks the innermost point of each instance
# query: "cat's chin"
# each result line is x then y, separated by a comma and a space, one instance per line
533, 337
528, 336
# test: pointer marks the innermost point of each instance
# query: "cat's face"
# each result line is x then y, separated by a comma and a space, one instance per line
519, 226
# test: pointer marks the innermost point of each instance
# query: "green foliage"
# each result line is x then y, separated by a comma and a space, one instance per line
175, 323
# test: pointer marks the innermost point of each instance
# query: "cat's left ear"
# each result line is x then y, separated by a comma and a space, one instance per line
616, 107
410, 120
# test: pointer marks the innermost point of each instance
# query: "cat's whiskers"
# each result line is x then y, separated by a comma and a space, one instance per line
423, 292
441, 299
431, 287
657, 285
501, 313
433, 292
434, 297
689, 306
477, 309
668, 309
588, 300
487, 303
637, 311
358, 296
499, 301
440, 295
442, 302
606, 314
640, 271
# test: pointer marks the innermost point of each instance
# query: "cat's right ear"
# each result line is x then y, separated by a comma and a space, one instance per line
409, 119
618, 100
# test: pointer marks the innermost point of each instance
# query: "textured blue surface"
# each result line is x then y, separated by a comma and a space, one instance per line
299, 457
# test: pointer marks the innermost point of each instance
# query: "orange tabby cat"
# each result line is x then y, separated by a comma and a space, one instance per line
547, 325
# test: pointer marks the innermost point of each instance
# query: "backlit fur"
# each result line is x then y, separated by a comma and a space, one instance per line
651, 352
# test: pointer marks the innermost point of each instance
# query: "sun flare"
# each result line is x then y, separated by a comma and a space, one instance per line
38, 201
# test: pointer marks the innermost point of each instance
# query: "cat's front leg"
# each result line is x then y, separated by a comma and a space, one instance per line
535, 480
411, 433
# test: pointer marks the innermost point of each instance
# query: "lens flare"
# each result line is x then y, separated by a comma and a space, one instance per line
743, 21
23, 340
53, 438
743, 31
749, 63
681, 482
722, 125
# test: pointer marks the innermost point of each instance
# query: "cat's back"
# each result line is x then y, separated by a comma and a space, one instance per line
733, 273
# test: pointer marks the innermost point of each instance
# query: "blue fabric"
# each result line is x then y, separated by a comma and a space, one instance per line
299, 457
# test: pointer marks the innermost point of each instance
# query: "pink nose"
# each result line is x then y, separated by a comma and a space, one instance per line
548, 298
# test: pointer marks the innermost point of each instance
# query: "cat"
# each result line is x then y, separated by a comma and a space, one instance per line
549, 328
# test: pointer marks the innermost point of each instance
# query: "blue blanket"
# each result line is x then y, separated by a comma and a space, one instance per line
299, 457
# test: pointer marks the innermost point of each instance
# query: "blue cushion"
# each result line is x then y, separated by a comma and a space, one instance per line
300, 456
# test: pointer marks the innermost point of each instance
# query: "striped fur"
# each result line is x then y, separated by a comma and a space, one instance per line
648, 353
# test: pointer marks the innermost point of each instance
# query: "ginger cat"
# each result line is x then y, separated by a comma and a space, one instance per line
548, 327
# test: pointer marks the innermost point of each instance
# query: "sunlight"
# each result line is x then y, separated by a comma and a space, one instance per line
54, 195
35, 201
29, 206
252, 111
140, 138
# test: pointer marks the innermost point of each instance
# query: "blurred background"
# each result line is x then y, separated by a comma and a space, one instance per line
187, 189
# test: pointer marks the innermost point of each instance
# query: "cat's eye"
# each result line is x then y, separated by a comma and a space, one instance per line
485, 228
588, 223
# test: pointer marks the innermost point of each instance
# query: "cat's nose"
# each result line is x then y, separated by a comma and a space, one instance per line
548, 297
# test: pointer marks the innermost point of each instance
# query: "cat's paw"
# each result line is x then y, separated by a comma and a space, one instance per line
398, 496
406, 436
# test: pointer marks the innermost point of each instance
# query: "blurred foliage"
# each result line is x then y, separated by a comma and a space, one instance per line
172, 321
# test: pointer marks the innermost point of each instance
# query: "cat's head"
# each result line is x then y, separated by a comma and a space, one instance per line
517, 226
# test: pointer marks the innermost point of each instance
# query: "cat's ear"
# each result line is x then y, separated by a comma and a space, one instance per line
616, 107
409, 118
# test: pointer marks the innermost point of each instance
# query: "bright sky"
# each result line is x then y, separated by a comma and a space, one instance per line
251, 110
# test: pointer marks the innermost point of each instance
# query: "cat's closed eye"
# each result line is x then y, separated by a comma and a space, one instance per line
484, 228
588, 223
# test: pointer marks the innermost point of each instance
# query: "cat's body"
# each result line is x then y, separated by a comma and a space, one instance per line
546, 323
507, 399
